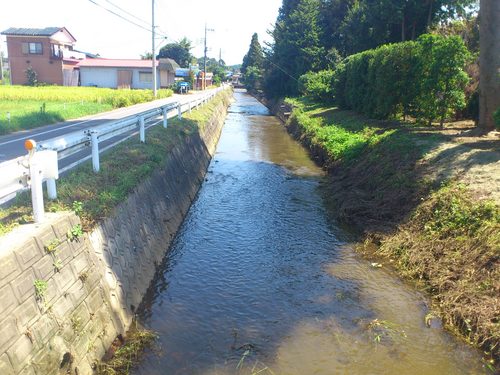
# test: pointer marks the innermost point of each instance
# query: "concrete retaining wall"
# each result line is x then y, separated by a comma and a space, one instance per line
65, 298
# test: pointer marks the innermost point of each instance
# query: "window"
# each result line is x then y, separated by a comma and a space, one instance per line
146, 77
32, 48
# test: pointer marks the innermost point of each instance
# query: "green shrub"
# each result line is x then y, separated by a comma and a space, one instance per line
317, 85
423, 78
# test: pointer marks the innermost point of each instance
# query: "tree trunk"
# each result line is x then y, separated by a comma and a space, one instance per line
429, 15
489, 63
403, 29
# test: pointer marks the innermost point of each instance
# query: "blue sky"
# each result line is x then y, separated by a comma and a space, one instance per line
98, 31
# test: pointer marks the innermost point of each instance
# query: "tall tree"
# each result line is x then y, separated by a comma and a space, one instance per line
254, 56
489, 63
179, 51
297, 46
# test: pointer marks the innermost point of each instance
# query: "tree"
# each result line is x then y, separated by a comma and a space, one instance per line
297, 46
254, 56
179, 51
489, 63
147, 56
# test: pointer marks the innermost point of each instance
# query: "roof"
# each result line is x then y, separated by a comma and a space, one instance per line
168, 64
48, 31
116, 63
23, 31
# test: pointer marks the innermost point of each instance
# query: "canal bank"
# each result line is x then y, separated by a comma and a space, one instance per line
426, 201
68, 294
261, 279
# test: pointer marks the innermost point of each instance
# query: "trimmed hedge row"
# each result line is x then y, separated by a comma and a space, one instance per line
424, 78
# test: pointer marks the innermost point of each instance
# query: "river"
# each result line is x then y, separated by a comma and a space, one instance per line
261, 280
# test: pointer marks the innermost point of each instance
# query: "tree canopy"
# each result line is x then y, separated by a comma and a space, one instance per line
178, 51
254, 56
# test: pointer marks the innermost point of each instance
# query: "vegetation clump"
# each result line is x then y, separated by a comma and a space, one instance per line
451, 245
123, 358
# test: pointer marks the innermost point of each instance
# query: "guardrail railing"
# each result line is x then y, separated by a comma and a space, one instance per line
41, 163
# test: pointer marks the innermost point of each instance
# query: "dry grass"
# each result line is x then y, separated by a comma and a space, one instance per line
451, 245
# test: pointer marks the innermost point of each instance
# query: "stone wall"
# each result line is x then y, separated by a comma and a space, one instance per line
66, 296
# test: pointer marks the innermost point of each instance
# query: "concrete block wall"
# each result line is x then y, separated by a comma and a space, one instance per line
93, 283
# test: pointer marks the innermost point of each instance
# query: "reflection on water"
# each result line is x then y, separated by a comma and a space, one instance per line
260, 281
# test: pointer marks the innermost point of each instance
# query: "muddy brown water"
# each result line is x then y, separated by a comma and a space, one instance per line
260, 279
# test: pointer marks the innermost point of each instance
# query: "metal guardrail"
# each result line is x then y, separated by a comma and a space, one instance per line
41, 163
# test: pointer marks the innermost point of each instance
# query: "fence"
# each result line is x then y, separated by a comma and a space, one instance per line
41, 163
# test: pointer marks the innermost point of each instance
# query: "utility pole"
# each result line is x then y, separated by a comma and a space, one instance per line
204, 82
153, 50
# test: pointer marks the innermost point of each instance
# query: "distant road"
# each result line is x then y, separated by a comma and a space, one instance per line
12, 145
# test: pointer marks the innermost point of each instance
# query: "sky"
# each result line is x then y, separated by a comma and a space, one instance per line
97, 31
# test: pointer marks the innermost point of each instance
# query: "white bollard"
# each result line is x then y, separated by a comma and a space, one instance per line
165, 124
95, 151
51, 189
179, 112
36, 190
142, 130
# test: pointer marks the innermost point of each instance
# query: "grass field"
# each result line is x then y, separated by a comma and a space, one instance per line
31, 107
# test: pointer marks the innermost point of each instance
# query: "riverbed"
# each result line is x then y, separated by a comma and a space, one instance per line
261, 280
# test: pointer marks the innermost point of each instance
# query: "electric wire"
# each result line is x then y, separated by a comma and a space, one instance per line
125, 18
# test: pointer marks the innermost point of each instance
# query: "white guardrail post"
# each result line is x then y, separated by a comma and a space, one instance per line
189, 106
42, 165
94, 140
51, 189
165, 123
36, 189
179, 111
142, 130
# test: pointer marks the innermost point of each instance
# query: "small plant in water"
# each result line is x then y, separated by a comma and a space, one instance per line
383, 330
127, 355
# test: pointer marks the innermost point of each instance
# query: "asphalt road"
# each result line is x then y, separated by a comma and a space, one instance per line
12, 145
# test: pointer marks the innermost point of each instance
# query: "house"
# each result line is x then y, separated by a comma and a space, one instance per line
49, 52
123, 73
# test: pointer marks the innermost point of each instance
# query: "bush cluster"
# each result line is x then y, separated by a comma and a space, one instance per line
317, 85
424, 79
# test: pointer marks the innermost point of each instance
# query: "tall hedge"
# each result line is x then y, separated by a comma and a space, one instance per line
423, 78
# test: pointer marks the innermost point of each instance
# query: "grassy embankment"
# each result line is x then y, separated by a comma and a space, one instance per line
428, 224
31, 107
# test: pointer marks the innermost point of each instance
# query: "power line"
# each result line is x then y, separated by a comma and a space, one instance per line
120, 16
125, 18
126, 12
158, 30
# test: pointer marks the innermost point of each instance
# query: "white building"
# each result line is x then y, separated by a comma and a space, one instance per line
121, 73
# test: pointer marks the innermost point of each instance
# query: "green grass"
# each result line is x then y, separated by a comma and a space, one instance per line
26, 103
93, 196
27, 114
